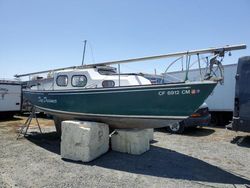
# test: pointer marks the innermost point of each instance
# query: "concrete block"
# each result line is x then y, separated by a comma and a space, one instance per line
150, 134
132, 141
83, 140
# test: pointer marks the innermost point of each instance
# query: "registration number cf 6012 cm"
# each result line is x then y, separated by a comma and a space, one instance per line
179, 92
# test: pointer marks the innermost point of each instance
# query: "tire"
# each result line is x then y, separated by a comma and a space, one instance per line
176, 128
58, 122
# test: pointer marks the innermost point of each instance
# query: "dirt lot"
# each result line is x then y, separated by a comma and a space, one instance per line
204, 157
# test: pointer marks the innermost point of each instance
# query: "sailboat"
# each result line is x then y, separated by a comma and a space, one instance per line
97, 92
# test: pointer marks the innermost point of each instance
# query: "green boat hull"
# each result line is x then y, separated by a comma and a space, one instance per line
148, 106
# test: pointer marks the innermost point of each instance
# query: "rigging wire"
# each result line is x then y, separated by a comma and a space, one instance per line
202, 58
173, 63
92, 52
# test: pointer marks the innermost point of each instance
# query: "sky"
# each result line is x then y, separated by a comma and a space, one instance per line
44, 34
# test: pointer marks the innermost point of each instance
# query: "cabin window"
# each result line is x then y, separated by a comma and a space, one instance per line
62, 80
79, 81
107, 70
108, 83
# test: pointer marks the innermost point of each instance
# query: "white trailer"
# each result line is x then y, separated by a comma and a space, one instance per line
10, 97
221, 100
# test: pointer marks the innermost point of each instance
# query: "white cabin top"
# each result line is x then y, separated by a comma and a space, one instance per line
104, 77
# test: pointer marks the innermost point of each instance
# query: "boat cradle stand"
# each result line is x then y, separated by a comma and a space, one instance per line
24, 128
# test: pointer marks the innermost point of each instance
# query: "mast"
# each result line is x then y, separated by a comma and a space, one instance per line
220, 51
216, 51
83, 53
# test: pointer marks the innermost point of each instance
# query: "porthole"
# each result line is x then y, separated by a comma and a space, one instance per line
108, 83
79, 80
62, 80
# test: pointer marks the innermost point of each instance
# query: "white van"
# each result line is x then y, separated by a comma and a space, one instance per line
10, 97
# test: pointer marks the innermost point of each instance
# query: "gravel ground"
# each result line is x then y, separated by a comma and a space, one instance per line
202, 157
